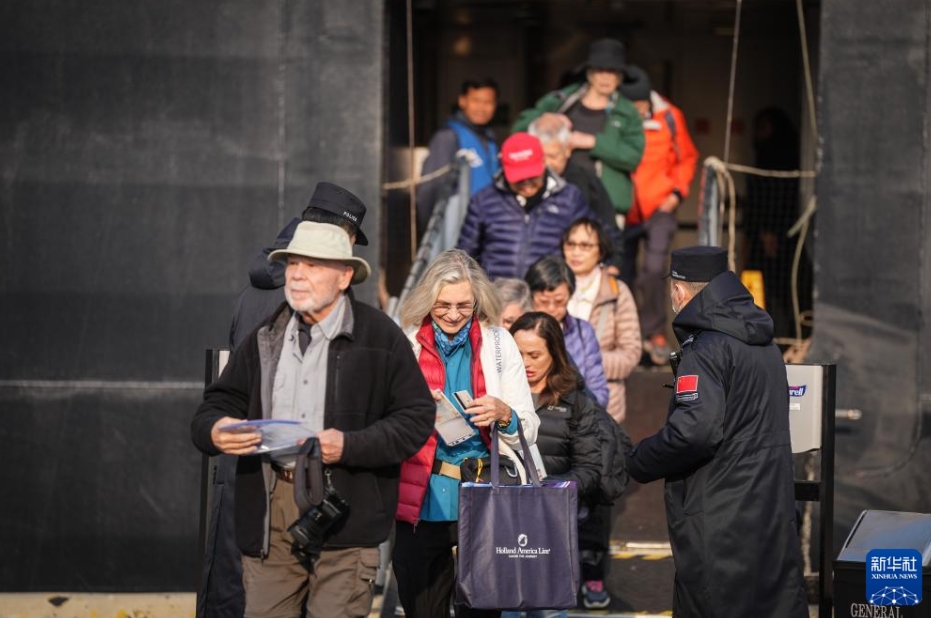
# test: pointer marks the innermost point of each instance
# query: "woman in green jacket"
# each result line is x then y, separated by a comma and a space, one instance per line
607, 132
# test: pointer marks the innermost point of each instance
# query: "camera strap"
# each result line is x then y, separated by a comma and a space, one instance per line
308, 476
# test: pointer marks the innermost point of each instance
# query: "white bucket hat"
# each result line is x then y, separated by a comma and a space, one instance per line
324, 242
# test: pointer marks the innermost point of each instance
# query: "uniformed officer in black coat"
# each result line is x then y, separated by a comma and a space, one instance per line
725, 452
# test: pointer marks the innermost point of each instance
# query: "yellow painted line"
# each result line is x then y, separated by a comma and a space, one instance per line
644, 550
90, 605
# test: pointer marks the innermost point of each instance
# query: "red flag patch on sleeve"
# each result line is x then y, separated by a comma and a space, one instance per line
686, 384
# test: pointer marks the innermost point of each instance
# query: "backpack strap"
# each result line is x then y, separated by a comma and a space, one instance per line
569, 101
671, 123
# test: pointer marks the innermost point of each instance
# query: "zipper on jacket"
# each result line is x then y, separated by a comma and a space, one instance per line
524, 249
335, 383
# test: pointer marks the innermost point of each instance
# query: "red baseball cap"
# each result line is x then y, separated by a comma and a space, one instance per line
522, 157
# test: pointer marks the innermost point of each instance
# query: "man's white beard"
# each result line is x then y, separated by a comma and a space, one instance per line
315, 303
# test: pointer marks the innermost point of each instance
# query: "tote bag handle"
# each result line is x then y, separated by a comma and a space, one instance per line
496, 458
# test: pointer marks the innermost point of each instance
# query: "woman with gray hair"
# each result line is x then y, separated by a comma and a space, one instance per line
451, 319
515, 300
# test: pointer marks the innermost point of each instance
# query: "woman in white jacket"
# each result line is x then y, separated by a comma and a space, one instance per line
451, 319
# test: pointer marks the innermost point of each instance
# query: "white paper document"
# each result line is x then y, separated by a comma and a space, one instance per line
449, 423
277, 434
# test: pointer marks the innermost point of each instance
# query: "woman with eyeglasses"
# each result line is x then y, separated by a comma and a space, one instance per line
451, 318
607, 304
551, 286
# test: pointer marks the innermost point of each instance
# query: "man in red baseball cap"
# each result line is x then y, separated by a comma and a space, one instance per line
521, 216
522, 159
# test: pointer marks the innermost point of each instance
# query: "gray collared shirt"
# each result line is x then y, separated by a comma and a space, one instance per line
299, 392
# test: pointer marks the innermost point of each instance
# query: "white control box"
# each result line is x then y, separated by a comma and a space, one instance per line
806, 390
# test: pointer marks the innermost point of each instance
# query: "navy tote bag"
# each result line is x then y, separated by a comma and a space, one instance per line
518, 544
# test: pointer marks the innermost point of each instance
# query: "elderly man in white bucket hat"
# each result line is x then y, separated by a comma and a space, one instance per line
328, 366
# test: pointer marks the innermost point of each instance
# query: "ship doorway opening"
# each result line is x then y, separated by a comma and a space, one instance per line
533, 47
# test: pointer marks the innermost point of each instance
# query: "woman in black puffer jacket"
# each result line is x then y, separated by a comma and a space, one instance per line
568, 436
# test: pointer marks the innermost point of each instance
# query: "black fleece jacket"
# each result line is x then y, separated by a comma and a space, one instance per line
375, 394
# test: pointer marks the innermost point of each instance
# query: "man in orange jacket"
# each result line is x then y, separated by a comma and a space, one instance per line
661, 183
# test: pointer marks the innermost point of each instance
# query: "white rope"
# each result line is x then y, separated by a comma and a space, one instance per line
410, 182
728, 196
410, 123
730, 94
809, 89
746, 169
801, 228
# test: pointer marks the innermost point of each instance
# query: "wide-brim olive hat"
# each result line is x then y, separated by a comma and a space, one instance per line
324, 242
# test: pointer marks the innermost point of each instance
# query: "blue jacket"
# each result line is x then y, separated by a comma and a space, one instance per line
582, 345
506, 239
485, 165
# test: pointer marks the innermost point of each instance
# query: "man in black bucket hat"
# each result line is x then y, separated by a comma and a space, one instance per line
725, 451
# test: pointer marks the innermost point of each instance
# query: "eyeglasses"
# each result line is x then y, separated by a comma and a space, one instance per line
550, 303
461, 308
584, 246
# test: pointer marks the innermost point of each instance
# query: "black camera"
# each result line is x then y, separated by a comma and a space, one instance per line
311, 530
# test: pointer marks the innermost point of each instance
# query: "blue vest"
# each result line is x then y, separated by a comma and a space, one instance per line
482, 172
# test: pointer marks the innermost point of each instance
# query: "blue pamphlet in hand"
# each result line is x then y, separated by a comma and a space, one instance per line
276, 434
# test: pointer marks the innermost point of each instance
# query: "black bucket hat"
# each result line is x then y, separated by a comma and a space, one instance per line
607, 54
636, 85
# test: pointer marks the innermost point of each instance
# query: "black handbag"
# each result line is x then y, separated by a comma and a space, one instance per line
478, 470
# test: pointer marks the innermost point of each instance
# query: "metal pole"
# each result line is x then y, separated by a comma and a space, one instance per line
826, 552
465, 180
208, 467
708, 208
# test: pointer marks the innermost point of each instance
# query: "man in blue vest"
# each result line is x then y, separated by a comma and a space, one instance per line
467, 130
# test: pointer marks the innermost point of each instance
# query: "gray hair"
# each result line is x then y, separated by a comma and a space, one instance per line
449, 267
514, 291
561, 135
693, 287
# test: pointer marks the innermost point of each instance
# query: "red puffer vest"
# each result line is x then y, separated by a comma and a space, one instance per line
415, 472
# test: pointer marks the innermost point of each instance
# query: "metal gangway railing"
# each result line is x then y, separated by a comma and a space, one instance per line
441, 233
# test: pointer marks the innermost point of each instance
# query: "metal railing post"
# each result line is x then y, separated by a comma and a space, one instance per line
709, 223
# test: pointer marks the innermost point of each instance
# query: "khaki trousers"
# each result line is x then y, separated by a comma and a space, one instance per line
340, 586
